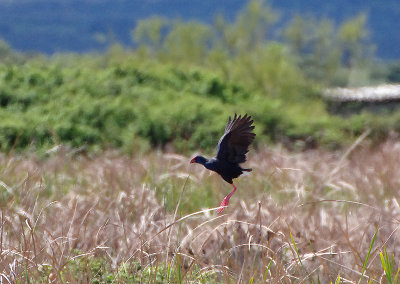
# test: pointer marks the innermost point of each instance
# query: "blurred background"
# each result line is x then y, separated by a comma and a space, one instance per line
135, 75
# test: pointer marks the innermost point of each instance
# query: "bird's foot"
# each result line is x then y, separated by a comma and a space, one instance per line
223, 204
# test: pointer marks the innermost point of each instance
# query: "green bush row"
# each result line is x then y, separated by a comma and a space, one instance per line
139, 104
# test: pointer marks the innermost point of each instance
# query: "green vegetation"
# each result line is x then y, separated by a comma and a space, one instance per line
134, 105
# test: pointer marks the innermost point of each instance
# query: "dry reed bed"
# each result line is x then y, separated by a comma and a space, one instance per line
310, 215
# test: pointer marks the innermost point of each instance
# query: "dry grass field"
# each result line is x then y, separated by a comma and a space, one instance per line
309, 217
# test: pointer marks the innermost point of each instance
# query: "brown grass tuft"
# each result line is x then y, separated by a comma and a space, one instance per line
297, 217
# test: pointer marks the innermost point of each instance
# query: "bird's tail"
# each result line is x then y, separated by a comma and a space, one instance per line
247, 170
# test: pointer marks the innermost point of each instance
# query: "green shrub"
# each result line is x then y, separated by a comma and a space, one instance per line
135, 104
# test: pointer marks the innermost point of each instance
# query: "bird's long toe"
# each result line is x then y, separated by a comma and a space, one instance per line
223, 205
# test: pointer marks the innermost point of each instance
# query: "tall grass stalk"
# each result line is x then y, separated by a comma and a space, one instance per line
101, 219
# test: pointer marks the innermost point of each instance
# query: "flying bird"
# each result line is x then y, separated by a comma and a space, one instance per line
232, 149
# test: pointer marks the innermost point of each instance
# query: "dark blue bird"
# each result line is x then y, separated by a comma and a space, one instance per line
232, 149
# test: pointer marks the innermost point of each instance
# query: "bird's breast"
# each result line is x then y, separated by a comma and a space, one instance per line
211, 166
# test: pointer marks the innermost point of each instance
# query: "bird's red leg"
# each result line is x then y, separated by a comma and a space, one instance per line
225, 202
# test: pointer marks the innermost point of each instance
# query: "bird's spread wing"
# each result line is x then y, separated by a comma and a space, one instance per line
235, 142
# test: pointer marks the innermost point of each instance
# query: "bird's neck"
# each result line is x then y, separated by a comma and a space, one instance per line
202, 160
209, 163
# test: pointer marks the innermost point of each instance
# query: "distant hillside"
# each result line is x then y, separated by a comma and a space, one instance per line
59, 25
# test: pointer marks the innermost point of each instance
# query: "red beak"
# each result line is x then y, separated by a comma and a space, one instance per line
193, 160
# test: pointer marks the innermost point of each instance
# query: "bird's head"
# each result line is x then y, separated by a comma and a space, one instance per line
198, 160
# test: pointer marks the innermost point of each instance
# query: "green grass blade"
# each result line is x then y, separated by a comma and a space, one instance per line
368, 255
149, 276
178, 265
26, 274
382, 261
396, 276
295, 248
268, 268
386, 265
169, 271
338, 279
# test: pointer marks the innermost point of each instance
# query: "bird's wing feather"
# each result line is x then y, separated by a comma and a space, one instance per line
235, 142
